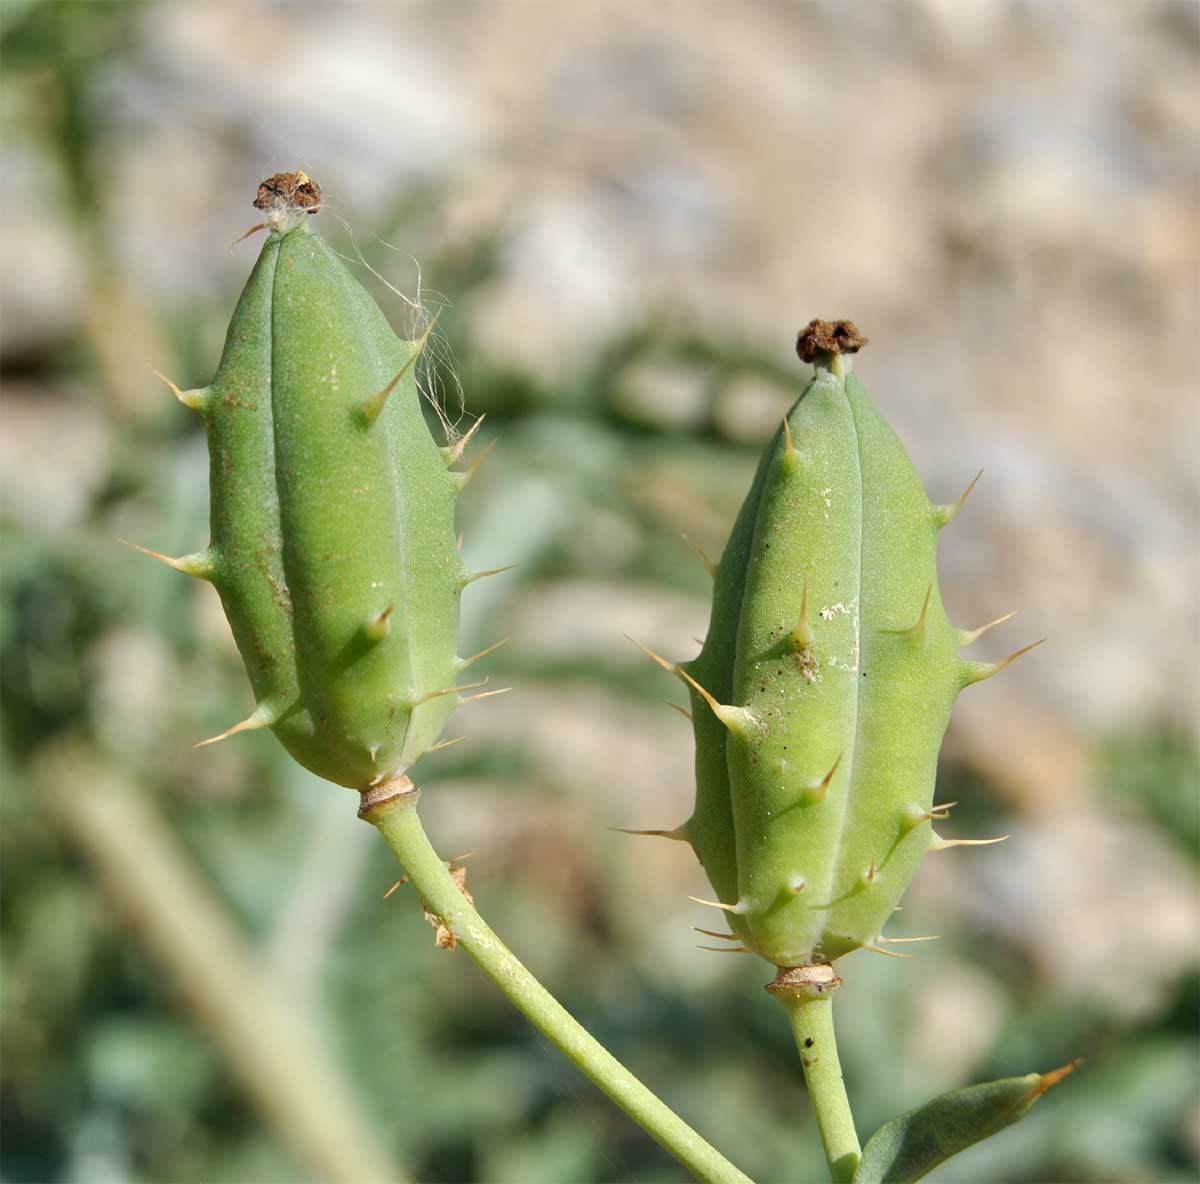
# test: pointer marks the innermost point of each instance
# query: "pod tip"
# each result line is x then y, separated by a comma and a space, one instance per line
828, 337
286, 198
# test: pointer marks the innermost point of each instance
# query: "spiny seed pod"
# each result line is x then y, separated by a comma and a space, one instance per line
332, 521
826, 680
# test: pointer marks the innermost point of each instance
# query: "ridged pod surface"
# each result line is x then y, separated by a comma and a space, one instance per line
332, 519
826, 680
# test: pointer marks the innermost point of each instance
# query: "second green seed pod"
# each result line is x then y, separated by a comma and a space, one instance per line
826, 680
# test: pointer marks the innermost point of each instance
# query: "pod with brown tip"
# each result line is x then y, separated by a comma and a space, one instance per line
332, 522
826, 680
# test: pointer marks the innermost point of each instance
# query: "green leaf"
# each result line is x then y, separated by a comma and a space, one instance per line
912, 1145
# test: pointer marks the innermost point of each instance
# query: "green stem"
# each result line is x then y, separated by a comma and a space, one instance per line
807, 993
391, 809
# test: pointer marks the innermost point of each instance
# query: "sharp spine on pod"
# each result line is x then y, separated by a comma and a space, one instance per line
441, 691
876, 949
453, 453
471, 577
441, 744
937, 843
709, 565
196, 399
973, 672
738, 908
737, 719
914, 815
791, 457
371, 409
658, 659
916, 631
679, 834
265, 715
377, 627
802, 634
199, 564
463, 663
966, 636
682, 710
943, 515
817, 793
483, 695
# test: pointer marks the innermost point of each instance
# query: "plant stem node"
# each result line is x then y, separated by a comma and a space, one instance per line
804, 981
376, 796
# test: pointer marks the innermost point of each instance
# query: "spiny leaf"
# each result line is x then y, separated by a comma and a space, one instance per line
909, 1147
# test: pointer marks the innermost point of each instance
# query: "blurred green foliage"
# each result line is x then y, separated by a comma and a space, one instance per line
1158, 772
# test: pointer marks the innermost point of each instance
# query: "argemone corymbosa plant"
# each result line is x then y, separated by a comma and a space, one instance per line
819, 698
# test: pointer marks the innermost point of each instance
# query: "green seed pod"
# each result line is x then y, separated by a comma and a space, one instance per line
825, 684
332, 521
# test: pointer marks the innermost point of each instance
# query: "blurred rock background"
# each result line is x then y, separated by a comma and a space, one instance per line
627, 210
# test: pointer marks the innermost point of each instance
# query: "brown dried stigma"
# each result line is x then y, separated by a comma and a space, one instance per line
294, 191
828, 337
